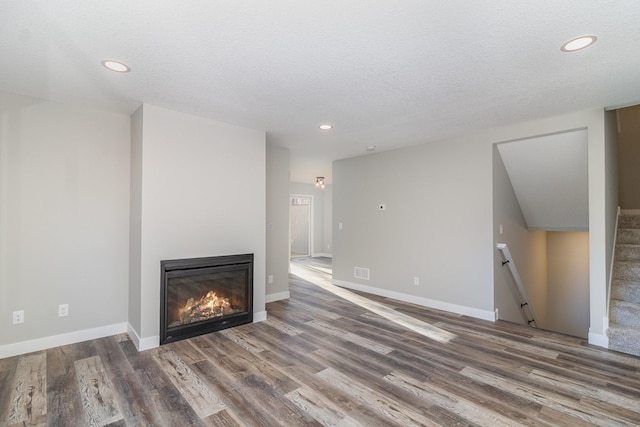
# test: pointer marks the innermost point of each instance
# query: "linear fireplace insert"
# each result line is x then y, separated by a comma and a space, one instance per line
202, 295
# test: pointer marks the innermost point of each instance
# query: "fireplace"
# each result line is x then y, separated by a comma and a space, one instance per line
202, 295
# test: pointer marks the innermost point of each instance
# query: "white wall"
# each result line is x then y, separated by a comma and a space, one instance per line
203, 194
277, 223
439, 219
64, 223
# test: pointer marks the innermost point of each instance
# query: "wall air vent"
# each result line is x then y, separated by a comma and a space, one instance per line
361, 273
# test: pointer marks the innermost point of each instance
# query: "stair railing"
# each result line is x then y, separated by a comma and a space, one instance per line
613, 261
525, 305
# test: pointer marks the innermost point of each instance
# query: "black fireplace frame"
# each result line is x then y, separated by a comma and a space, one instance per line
176, 267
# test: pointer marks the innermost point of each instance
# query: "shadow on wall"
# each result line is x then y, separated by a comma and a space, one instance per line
629, 157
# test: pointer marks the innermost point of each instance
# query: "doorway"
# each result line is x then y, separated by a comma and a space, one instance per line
541, 211
300, 222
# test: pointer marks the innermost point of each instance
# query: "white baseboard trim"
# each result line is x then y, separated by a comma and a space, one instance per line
39, 344
601, 340
278, 296
148, 343
260, 316
142, 344
426, 302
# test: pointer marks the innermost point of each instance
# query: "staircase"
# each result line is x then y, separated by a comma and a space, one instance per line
624, 307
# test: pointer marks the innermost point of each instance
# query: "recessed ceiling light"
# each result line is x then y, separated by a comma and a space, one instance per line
370, 147
578, 43
116, 66
325, 126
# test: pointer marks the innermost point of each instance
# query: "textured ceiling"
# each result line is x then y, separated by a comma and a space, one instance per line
386, 73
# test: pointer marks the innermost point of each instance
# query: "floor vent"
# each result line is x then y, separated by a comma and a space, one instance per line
361, 273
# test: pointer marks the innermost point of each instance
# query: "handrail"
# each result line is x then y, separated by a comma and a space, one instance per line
524, 301
613, 259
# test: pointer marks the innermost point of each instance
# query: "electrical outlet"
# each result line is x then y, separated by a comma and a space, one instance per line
18, 317
63, 310
416, 281
270, 278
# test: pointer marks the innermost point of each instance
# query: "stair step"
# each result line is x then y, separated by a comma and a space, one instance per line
628, 236
629, 221
623, 313
626, 270
624, 340
627, 252
625, 290
624, 306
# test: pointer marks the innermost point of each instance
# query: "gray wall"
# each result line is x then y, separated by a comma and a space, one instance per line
438, 225
64, 220
203, 193
277, 222
84, 218
321, 198
567, 308
135, 222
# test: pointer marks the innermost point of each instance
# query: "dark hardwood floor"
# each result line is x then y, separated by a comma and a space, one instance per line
322, 360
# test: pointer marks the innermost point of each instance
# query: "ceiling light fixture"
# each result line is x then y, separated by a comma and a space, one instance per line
370, 147
116, 66
320, 182
325, 126
578, 43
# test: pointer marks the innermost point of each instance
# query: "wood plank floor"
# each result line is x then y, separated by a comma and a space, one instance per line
322, 360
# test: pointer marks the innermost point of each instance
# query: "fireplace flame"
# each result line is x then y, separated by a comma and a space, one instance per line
208, 306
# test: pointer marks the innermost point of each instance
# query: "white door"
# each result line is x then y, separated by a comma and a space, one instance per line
300, 225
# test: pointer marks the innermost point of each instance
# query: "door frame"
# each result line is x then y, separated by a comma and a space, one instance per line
311, 207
